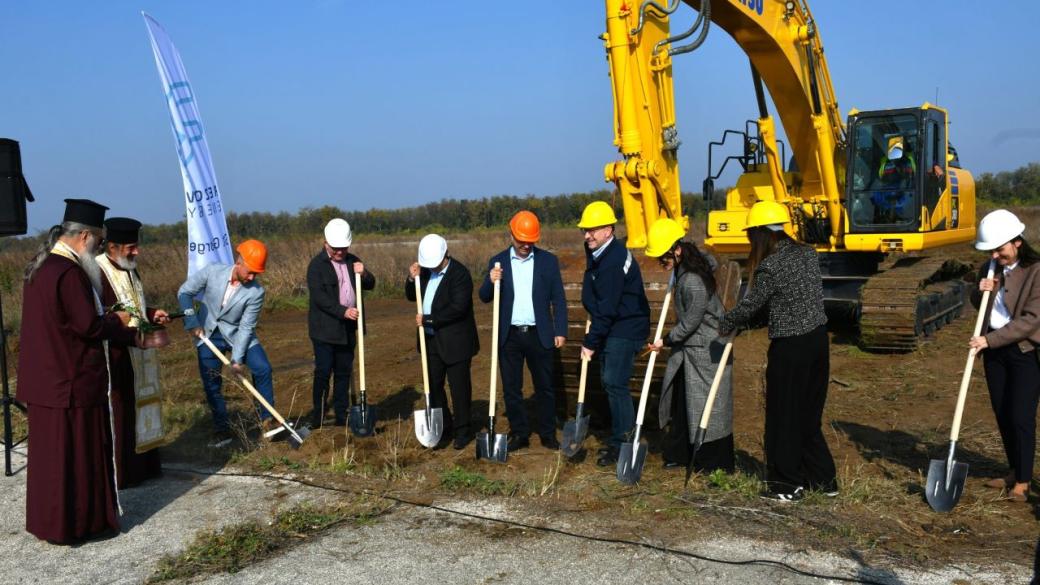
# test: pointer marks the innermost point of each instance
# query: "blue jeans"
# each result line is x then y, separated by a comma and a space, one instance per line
616, 360
209, 370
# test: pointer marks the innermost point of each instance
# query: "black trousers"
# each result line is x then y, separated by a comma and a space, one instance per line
717, 454
521, 345
335, 361
796, 391
458, 378
1013, 378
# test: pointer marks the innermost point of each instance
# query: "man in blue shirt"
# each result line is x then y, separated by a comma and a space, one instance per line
532, 322
612, 294
450, 330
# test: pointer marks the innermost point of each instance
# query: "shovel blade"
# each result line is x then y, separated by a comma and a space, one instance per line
942, 497
492, 448
630, 462
429, 430
298, 436
574, 433
362, 420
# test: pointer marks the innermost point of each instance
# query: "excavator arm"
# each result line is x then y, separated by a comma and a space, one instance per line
786, 54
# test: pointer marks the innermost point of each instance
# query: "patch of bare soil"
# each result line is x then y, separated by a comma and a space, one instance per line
886, 416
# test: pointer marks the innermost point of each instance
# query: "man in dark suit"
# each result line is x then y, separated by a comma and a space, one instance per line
332, 320
532, 321
450, 329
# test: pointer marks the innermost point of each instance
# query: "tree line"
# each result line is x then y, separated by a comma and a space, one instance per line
1017, 187
449, 215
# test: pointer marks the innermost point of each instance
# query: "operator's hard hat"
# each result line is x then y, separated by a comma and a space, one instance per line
338, 234
768, 214
432, 249
895, 148
254, 255
525, 227
597, 214
662, 236
998, 228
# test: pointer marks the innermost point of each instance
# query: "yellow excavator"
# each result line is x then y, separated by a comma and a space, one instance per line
870, 193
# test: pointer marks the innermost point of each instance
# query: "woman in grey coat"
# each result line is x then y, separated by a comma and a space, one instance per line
695, 354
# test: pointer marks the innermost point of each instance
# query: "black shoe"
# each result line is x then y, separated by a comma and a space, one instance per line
341, 422
460, 442
550, 442
516, 442
829, 489
672, 464
608, 457
316, 422
784, 497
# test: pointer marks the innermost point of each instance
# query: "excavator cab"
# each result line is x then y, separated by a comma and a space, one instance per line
897, 169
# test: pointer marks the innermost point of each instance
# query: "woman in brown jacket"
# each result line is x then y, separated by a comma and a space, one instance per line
1012, 334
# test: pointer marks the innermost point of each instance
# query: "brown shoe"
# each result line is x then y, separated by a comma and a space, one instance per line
998, 483
1014, 496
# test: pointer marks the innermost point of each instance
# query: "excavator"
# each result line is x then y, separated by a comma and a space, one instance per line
873, 193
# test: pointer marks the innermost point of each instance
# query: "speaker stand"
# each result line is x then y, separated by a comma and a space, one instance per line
8, 401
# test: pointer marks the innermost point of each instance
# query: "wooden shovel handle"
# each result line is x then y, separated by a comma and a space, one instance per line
584, 367
249, 386
494, 344
968, 366
710, 402
653, 358
360, 331
422, 342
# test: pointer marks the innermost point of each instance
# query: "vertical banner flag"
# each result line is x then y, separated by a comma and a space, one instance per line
208, 239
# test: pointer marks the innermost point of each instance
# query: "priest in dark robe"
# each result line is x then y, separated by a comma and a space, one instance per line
136, 397
63, 379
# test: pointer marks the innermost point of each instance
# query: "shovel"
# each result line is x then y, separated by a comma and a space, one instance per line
489, 445
946, 478
575, 431
702, 427
727, 287
633, 455
429, 422
296, 437
362, 417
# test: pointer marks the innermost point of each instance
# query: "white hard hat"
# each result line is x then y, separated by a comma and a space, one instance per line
432, 249
338, 234
998, 228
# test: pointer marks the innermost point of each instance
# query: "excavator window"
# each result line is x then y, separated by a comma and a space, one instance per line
885, 173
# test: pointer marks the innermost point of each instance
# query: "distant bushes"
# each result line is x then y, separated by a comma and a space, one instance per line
1018, 187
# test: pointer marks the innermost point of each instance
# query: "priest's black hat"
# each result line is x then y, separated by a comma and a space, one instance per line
122, 230
85, 211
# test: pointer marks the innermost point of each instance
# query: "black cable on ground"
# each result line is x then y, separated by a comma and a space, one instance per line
659, 548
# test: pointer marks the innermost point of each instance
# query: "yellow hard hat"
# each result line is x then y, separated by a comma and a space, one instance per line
597, 214
767, 213
662, 236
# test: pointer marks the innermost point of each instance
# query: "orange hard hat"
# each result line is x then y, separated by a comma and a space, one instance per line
525, 227
254, 255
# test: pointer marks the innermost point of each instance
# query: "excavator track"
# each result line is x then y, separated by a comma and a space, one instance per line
909, 301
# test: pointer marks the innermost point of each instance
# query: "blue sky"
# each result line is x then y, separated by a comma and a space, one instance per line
389, 104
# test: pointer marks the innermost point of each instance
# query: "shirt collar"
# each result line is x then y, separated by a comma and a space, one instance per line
1008, 269
599, 251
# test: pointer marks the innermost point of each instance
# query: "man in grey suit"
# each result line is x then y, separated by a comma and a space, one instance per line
231, 303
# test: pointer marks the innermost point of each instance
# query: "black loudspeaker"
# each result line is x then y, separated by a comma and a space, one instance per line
14, 191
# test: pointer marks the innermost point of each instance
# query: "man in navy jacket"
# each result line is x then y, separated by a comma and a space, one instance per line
532, 322
612, 293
